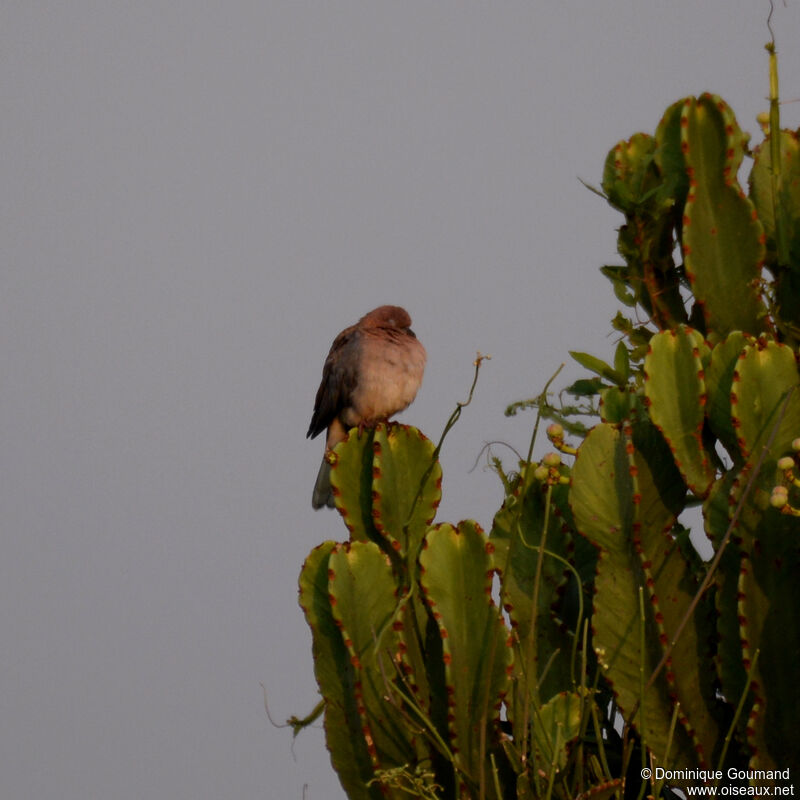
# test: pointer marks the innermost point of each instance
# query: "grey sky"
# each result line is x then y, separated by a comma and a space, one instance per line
196, 197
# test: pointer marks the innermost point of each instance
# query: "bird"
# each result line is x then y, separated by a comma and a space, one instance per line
373, 370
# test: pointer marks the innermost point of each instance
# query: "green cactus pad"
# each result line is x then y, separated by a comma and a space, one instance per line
718, 509
616, 504
456, 578
417, 650
776, 196
634, 184
769, 611
766, 372
334, 672
630, 176
768, 606
676, 359
375, 477
669, 154
719, 382
723, 240
363, 600
516, 536
351, 481
403, 456
615, 404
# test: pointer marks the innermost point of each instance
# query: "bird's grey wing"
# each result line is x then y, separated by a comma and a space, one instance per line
339, 381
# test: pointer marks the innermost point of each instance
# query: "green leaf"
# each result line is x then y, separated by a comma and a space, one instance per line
600, 367
585, 387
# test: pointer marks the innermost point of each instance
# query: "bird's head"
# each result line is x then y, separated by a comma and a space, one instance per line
387, 317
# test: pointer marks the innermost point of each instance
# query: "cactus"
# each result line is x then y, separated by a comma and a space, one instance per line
456, 578
411, 655
650, 278
775, 189
722, 237
716, 392
413, 658
765, 375
617, 504
678, 358
374, 467
725, 399
614, 645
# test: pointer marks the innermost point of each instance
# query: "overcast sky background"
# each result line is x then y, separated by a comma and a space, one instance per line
196, 197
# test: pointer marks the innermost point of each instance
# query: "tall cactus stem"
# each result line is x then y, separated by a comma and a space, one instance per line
781, 239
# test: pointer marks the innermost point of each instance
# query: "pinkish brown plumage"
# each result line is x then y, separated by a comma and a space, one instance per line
373, 370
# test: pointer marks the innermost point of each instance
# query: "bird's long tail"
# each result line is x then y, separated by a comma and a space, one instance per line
323, 493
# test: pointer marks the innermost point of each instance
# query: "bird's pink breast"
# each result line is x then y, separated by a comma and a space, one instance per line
389, 378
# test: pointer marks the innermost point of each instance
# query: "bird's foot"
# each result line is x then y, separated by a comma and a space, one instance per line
371, 424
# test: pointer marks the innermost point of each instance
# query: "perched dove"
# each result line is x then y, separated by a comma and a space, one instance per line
373, 370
